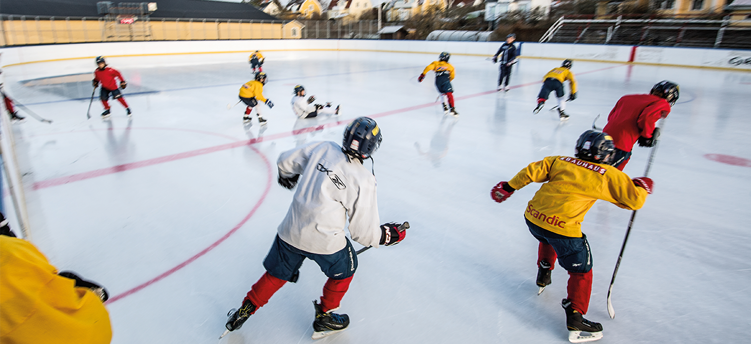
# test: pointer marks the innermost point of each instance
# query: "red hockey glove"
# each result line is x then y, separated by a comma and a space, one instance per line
392, 233
123, 84
311, 99
645, 183
501, 192
421, 78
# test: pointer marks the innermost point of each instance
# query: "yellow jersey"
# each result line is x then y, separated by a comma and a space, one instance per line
441, 68
39, 306
562, 74
258, 55
571, 186
253, 89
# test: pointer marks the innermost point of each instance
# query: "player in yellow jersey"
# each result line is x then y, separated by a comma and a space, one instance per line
250, 93
554, 216
256, 60
444, 73
553, 81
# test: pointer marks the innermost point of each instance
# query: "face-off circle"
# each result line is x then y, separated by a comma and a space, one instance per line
729, 159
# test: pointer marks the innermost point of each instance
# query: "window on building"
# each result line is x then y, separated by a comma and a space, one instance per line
294, 32
697, 4
669, 4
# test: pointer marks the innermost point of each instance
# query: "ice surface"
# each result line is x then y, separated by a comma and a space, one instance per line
175, 209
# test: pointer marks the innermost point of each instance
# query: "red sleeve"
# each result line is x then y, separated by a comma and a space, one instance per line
650, 115
614, 110
117, 74
96, 77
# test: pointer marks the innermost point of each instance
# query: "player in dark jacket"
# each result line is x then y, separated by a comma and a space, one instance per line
506, 55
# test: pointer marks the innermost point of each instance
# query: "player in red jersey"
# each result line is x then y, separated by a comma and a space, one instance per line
634, 117
107, 76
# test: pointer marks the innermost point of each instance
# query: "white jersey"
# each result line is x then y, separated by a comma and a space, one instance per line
301, 107
330, 190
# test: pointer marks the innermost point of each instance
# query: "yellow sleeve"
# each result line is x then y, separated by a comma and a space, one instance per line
260, 56
537, 172
250, 57
257, 88
451, 71
430, 67
570, 78
625, 193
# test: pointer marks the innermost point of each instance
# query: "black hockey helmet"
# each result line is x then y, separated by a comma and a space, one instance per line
567, 63
666, 89
261, 76
511, 35
595, 146
299, 88
362, 137
100, 59
444, 56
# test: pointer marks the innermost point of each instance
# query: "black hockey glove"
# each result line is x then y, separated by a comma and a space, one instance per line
571, 97
80, 282
123, 84
95, 83
495, 59
288, 183
649, 142
393, 233
311, 99
5, 228
269, 104
318, 106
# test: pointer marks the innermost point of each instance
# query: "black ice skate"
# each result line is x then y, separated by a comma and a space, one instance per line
16, 118
453, 112
261, 120
543, 276
247, 118
328, 323
128, 112
337, 110
238, 317
562, 114
106, 114
540, 104
445, 109
576, 324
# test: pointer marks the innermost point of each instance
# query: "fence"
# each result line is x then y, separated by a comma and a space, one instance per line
25, 30
321, 29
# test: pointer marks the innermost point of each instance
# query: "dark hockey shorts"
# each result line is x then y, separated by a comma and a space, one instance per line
574, 254
550, 85
284, 261
620, 158
104, 94
444, 87
254, 63
251, 102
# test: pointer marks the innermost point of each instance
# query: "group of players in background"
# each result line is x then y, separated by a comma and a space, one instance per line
334, 188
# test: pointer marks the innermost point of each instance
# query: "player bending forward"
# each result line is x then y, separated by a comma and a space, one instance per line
553, 81
256, 60
444, 74
334, 187
634, 117
250, 93
304, 108
108, 77
554, 215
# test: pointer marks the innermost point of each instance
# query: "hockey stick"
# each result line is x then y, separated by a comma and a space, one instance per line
37, 117
595, 121
229, 106
88, 115
611, 311
404, 226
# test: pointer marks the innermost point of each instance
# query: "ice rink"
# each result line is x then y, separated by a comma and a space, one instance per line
175, 209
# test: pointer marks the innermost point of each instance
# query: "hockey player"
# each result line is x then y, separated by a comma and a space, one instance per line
108, 77
40, 305
250, 93
334, 187
554, 215
444, 74
634, 117
256, 61
9, 106
553, 81
506, 55
304, 108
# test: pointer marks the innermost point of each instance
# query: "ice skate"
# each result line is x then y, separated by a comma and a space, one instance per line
500, 88
506, 89
106, 114
543, 276
262, 120
540, 104
236, 318
453, 112
576, 324
128, 112
247, 118
337, 110
16, 118
328, 323
562, 115
445, 109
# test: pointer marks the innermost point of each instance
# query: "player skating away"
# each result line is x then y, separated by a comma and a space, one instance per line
108, 76
506, 55
42, 305
444, 74
334, 187
553, 81
554, 215
634, 117
12, 112
256, 60
304, 108
250, 93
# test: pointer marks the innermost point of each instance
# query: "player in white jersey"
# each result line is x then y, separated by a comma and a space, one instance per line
333, 187
304, 108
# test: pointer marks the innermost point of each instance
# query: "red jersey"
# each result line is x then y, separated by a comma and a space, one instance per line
635, 115
107, 77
